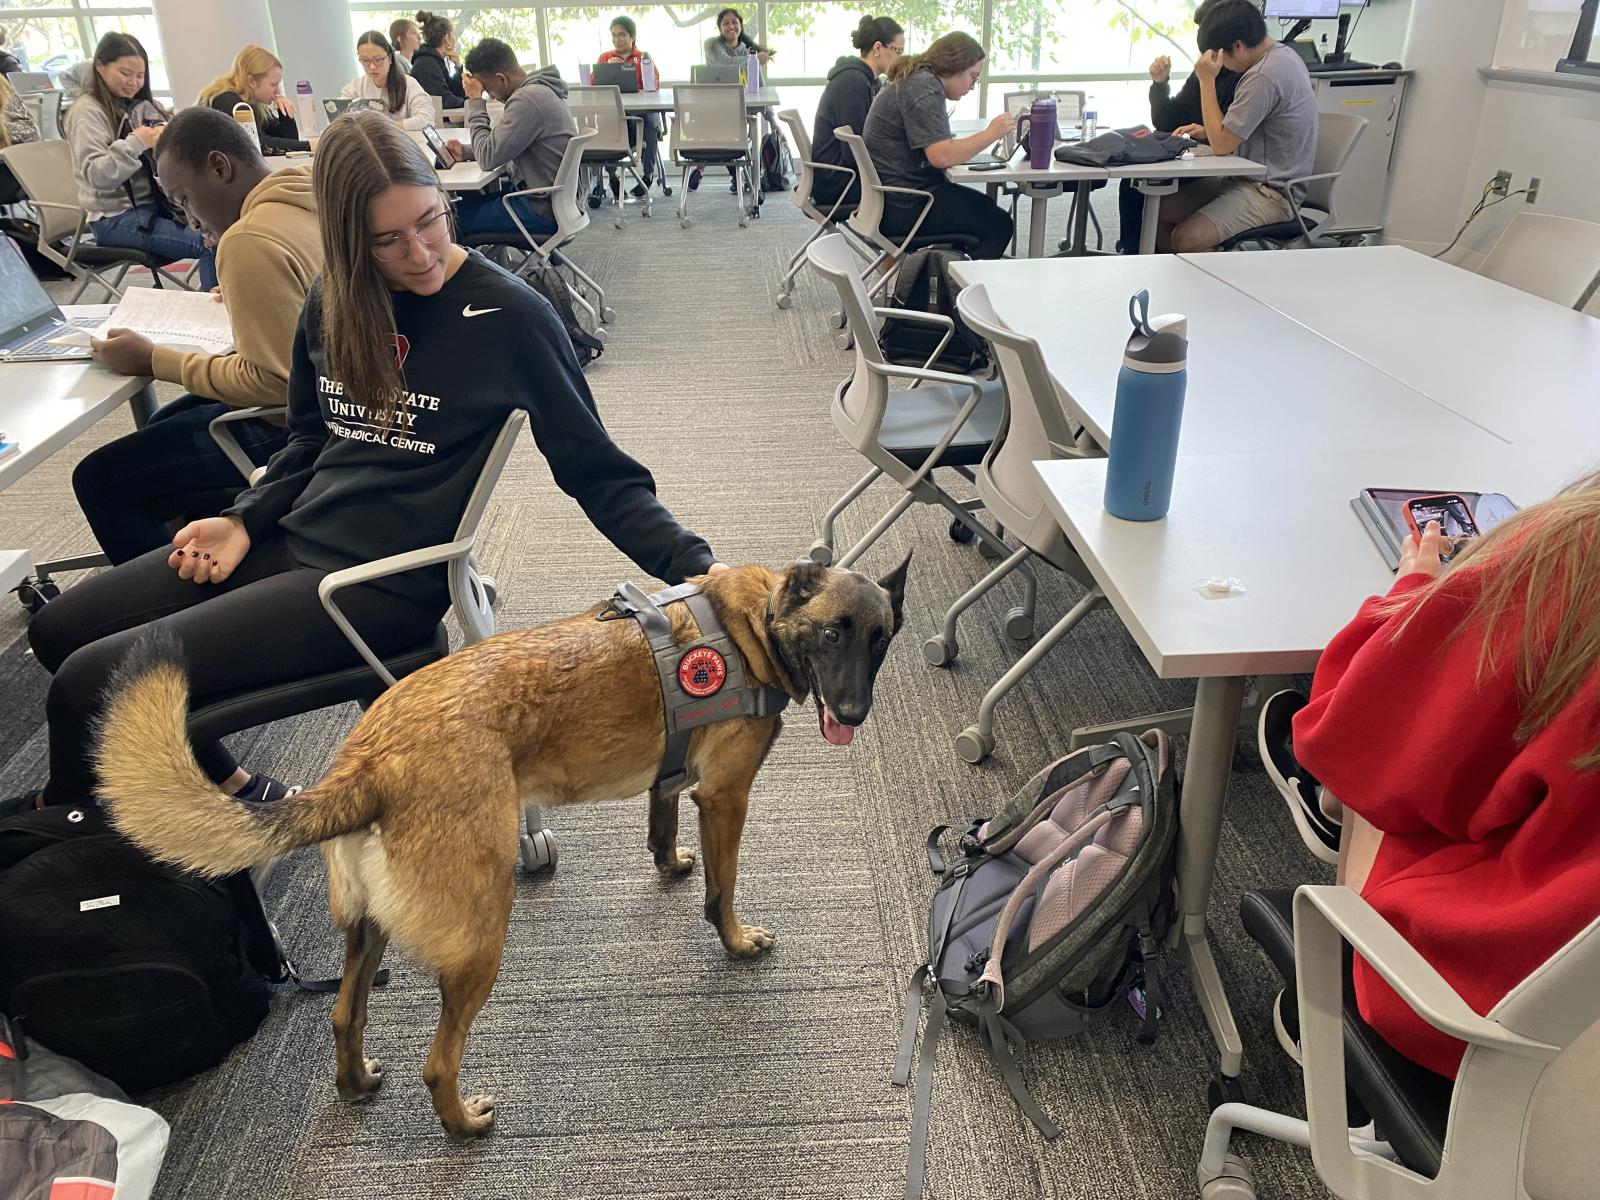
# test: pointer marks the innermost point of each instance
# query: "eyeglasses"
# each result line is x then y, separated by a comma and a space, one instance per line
372, 62
430, 232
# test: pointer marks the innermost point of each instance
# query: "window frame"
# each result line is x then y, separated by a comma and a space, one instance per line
1578, 60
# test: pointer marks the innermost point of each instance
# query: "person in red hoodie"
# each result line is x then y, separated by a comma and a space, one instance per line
1457, 720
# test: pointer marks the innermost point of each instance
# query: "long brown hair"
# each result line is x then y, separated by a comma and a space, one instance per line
360, 156
394, 84
5, 99
1544, 564
112, 47
249, 65
946, 56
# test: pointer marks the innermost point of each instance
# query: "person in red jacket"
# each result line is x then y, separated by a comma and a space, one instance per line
1457, 720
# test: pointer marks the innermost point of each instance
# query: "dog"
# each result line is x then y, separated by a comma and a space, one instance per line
419, 816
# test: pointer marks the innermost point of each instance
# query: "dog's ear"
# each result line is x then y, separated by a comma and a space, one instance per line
895, 584
801, 582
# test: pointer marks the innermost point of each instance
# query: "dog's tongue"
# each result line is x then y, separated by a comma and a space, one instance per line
837, 734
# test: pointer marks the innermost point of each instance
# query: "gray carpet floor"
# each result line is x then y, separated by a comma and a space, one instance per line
629, 1055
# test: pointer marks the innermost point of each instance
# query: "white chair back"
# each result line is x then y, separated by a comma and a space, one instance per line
1554, 257
570, 212
44, 169
600, 109
709, 116
802, 146
1337, 135
1558, 1165
866, 394
869, 212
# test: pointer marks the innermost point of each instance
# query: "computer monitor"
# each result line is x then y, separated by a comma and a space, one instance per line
1305, 10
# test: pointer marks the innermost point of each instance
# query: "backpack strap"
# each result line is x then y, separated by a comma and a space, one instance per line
922, 1100
1006, 830
1000, 1051
1150, 953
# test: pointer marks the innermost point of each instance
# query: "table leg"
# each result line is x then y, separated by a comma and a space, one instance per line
1153, 190
1212, 737
143, 405
1038, 209
1080, 219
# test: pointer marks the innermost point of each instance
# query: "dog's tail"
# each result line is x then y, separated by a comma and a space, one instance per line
157, 795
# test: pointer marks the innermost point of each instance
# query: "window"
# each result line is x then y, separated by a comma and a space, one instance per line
52, 35
1537, 34
1585, 52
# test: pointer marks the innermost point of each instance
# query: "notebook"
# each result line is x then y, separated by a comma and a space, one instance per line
1382, 513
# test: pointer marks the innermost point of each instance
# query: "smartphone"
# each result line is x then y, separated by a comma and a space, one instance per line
1452, 512
441, 153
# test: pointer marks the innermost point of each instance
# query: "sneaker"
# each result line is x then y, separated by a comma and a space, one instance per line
1287, 1029
264, 789
1275, 738
733, 186
694, 178
639, 191
597, 196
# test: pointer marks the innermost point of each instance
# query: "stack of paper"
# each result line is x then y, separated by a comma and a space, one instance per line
169, 317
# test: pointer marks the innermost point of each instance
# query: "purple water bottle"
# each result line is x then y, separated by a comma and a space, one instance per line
1040, 120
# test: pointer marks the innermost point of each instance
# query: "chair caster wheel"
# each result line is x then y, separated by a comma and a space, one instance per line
1233, 1184
617, 224
1223, 1089
539, 851
939, 652
602, 336
744, 222
608, 315
845, 342
685, 222
1019, 625
820, 553
960, 533
837, 320
491, 590
989, 552
645, 211
34, 595
785, 301
973, 745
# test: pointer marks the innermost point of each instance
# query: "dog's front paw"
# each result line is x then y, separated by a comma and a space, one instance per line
752, 941
678, 861
364, 1084
477, 1117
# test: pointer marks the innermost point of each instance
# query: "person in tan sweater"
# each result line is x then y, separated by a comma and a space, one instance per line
269, 248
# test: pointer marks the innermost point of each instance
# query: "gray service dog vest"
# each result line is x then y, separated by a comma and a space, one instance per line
702, 682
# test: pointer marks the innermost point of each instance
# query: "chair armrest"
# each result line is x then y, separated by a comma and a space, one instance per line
924, 318
82, 214
228, 444
381, 568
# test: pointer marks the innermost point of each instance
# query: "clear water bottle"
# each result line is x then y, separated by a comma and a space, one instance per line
307, 116
1091, 120
1148, 415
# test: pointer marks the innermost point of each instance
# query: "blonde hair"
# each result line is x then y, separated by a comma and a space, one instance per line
249, 64
1544, 564
5, 100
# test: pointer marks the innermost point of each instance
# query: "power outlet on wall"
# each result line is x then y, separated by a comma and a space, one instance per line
1533, 189
1501, 185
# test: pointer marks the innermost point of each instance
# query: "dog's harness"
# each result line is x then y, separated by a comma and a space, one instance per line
702, 682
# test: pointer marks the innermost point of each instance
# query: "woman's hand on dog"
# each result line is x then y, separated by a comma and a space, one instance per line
209, 550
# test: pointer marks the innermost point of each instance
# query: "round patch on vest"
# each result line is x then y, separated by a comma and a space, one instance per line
702, 672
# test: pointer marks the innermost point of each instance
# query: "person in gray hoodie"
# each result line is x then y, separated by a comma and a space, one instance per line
852, 85
111, 128
532, 135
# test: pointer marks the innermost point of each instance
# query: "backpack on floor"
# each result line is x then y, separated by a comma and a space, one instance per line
923, 284
774, 164
1054, 914
548, 282
144, 973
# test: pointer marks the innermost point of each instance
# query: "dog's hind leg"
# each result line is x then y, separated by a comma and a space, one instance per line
464, 985
671, 858
357, 1077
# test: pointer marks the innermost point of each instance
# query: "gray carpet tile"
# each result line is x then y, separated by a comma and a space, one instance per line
629, 1055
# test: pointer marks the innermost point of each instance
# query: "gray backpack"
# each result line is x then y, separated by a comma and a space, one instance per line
1056, 910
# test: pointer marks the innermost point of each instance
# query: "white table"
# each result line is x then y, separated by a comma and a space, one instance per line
462, 177
1156, 180
44, 405
661, 100
1039, 186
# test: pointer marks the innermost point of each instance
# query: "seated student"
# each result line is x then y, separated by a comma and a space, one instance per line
908, 135
1454, 719
405, 35
380, 80
434, 64
1272, 121
238, 592
531, 135
254, 80
731, 47
112, 128
625, 49
852, 85
1168, 112
9, 62
264, 225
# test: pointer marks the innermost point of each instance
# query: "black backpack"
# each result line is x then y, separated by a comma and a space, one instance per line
547, 281
774, 164
923, 284
144, 973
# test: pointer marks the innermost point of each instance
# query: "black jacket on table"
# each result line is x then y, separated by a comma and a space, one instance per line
1169, 112
437, 77
279, 134
845, 101
346, 490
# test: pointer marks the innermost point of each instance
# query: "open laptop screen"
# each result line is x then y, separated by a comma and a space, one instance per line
24, 306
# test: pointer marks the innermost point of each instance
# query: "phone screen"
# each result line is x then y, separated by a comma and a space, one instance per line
1453, 514
436, 143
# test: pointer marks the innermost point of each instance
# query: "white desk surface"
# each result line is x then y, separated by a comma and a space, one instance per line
1019, 171
661, 100
1258, 382
1282, 526
1192, 166
463, 177
1510, 361
43, 406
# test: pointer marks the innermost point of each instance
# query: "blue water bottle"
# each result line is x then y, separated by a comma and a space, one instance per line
1149, 413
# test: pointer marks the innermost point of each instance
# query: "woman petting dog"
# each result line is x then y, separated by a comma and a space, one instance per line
386, 436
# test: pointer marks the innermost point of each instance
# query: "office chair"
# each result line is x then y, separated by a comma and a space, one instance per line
600, 109
710, 127
941, 420
1554, 257
825, 222
1337, 135
1517, 1124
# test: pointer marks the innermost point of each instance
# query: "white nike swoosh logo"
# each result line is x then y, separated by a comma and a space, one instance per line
469, 311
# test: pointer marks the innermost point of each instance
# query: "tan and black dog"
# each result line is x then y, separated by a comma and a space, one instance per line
418, 817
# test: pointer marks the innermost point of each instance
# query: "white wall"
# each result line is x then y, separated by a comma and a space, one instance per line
314, 42
199, 46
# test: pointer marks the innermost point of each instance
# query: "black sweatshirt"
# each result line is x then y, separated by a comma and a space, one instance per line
279, 134
435, 77
1169, 112
344, 491
845, 101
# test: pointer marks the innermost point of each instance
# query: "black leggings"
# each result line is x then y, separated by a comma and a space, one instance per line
264, 625
956, 209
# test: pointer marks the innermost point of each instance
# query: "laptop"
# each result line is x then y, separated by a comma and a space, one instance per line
719, 74
29, 319
618, 75
1001, 153
336, 107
